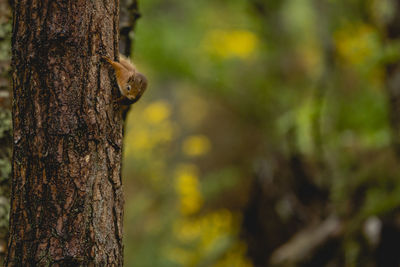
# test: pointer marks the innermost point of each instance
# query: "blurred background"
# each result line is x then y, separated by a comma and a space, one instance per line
269, 134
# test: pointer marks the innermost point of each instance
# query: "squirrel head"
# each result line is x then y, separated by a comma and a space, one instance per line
135, 86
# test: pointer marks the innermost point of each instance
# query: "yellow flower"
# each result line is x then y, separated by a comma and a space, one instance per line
157, 112
151, 128
187, 230
204, 234
356, 43
187, 187
216, 225
236, 257
196, 145
229, 44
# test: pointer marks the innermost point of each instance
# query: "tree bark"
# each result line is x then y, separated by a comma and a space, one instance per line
67, 203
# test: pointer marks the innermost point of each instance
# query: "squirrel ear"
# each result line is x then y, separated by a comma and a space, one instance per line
142, 79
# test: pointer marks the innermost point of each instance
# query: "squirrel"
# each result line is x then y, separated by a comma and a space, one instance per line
131, 83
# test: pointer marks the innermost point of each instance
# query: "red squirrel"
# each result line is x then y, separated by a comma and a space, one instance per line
131, 83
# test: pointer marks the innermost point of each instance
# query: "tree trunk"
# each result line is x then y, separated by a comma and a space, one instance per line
127, 21
67, 203
393, 80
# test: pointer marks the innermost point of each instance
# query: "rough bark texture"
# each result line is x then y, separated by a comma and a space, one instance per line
66, 205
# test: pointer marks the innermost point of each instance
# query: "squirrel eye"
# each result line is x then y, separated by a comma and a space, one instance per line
128, 88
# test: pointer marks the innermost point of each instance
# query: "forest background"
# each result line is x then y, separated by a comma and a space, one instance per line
269, 135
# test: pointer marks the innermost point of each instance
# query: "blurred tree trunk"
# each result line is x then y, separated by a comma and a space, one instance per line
127, 22
67, 203
393, 80
386, 252
5, 124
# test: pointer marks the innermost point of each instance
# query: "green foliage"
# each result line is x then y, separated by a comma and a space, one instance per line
5, 34
5, 156
5, 169
4, 214
5, 123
